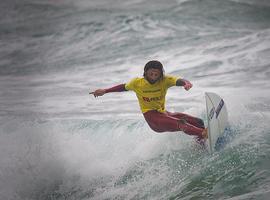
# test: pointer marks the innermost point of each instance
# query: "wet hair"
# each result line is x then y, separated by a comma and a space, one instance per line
154, 64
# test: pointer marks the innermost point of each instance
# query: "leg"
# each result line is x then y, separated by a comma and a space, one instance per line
161, 122
184, 118
188, 118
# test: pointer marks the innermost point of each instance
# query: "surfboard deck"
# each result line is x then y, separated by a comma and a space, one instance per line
217, 120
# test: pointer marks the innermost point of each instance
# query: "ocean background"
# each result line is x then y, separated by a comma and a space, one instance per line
59, 143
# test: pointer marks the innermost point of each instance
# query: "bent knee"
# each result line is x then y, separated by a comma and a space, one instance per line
201, 123
155, 126
157, 129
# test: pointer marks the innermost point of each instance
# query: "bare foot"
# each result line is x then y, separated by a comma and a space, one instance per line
205, 133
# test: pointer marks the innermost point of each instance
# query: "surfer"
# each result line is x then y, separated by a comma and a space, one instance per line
151, 90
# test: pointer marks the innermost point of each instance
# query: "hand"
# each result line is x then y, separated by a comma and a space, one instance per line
99, 92
187, 85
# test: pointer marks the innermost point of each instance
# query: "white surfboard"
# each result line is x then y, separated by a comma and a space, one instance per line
217, 118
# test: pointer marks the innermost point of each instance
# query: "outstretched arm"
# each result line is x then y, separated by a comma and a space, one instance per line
101, 92
185, 83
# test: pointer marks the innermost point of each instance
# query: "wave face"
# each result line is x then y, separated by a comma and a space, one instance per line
58, 143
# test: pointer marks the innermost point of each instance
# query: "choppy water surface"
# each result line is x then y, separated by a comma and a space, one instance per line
57, 142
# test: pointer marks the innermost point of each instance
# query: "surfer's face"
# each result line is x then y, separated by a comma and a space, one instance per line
153, 75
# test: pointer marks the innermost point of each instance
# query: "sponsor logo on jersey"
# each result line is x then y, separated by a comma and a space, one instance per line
149, 99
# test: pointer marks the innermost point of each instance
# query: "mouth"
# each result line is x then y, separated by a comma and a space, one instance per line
152, 81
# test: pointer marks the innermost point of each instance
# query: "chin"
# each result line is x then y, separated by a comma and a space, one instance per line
152, 81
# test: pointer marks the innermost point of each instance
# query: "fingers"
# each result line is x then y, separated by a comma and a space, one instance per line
188, 86
93, 93
98, 92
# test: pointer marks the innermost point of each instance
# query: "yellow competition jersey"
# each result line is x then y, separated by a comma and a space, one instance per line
151, 96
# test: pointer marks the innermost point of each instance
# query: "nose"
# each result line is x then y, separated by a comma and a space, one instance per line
154, 75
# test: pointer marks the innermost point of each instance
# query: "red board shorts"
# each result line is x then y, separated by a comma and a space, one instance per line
171, 122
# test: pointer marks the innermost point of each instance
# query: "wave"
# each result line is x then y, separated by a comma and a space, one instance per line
56, 143
124, 159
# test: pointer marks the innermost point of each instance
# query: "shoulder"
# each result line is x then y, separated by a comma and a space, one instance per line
133, 83
169, 77
170, 80
136, 80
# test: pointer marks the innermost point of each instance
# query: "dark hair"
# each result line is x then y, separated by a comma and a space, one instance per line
154, 64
